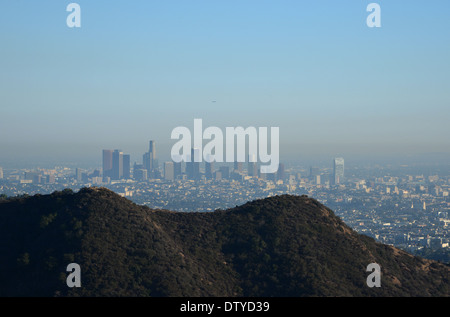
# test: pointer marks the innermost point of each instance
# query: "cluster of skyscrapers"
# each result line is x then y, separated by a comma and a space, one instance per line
116, 165
149, 167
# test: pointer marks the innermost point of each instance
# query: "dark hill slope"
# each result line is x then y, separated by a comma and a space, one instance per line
279, 246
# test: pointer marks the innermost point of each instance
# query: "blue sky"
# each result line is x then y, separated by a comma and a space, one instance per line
137, 69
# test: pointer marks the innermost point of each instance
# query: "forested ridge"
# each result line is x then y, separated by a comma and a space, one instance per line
279, 246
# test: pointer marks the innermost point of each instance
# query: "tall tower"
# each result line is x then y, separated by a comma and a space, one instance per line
149, 159
126, 166
169, 173
152, 149
117, 165
209, 168
338, 170
78, 174
177, 170
193, 164
152, 152
107, 163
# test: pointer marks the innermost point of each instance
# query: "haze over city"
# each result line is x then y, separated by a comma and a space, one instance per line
135, 71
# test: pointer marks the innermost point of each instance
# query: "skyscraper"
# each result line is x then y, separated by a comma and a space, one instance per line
193, 164
78, 174
1, 173
149, 159
117, 165
147, 162
107, 163
338, 170
169, 173
209, 168
126, 166
177, 170
152, 149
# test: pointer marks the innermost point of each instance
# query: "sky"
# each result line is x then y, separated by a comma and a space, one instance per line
136, 70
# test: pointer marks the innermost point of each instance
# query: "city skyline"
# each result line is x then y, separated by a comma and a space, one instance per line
333, 85
233, 147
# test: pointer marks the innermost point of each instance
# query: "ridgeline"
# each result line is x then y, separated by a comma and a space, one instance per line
285, 246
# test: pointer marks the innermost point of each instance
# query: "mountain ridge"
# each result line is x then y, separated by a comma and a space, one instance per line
277, 246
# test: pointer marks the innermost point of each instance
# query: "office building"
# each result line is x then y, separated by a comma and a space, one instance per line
149, 160
193, 165
126, 166
152, 150
169, 172
1, 173
117, 165
78, 175
338, 170
177, 171
107, 163
209, 168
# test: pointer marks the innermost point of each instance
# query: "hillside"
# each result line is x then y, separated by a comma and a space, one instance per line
279, 246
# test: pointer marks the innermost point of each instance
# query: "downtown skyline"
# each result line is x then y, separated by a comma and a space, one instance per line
134, 71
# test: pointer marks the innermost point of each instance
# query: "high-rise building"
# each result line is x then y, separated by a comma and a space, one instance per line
107, 163
152, 149
147, 162
126, 166
149, 159
169, 173
193, 164
338, 170
78, 174
209, 170
152, 153
238, 167
177, 170
1, 173
117, 166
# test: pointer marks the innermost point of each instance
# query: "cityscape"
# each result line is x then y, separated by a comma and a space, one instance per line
229, 149
406, 206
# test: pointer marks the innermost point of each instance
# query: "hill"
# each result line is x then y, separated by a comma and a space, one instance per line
279, 246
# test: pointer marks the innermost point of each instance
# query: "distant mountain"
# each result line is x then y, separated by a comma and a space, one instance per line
279, 246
